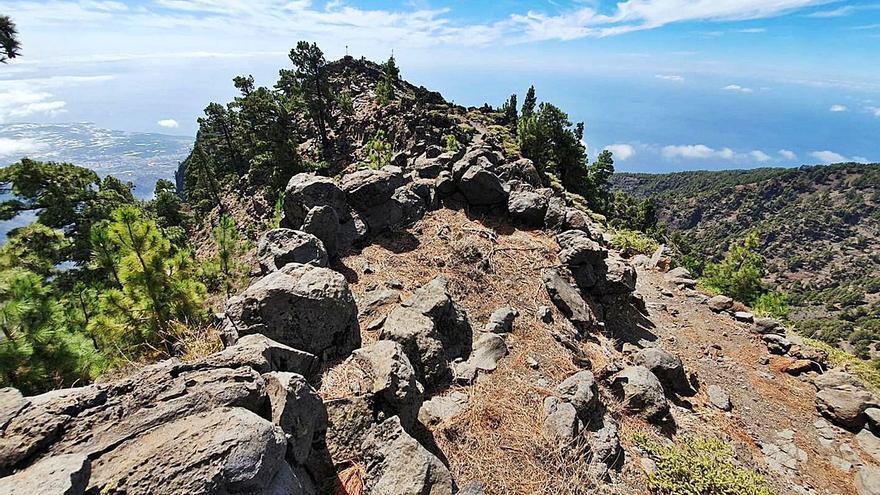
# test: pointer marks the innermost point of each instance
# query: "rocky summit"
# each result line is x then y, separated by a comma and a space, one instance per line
452, 322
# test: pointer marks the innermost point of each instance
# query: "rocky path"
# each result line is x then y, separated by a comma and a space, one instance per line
773, 421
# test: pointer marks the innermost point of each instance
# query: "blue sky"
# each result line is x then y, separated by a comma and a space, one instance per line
666, 84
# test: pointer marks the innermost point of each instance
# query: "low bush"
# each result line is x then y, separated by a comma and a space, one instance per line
698, 466
633, 242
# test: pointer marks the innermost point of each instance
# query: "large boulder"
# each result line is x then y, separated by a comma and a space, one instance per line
306, 191
614, 277
398, 465
667, 367
522, 170
581, 391
432, 329
561, 422
577, 248
298, 409
527, 208
303, 306
402, 208
227, 450
365, 189
844, 407
262, 354
640, 392
204, 427
481, 187
280, 247
391, 379
569, 301
323, 223
66, 474
719, 303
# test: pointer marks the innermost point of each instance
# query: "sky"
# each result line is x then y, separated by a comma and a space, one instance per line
665, 84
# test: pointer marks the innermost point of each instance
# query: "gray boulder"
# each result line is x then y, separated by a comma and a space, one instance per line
605, 445
306, 191
527, 208
66, 474
403, 208
523, 170
391, 379
844, 407
11, 403
298, 409
263, 355
280, 247
667, 367
640, 392
765, 325
227, 450
614, 277
776, 344
398, 465
868, 480
581, 391
488, 350
442, 408
303, 306
323, 223
577, 248
720, 303
481, 187
365, 189
719, 398
561, 422
569, 301
501, 320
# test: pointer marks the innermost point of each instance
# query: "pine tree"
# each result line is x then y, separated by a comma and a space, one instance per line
157, 285
509, 112
37, 352
228, 243
10, 47
310, 74
385, 86
529, 103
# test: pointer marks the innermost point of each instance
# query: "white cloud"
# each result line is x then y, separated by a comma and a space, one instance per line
19, 103
759, 156
621, 151
828, 156
837, 108
21, 98
787, 154
696, 151
752, 30
838, 12
875, 111
737, 88
860, 159
168, 123
15, 148
407, 25
669, 77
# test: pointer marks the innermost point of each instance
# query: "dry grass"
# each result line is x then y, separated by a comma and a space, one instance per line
497, 439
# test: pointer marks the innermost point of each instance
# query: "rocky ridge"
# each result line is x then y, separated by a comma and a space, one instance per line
327, 386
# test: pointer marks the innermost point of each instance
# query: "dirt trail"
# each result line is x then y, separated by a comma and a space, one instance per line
774, 421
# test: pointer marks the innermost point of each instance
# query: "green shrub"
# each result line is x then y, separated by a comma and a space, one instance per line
632, 242
739, 274
452, 144
699, 466
378, 151
774, 303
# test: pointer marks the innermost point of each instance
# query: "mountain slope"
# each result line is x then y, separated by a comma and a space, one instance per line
819, 227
